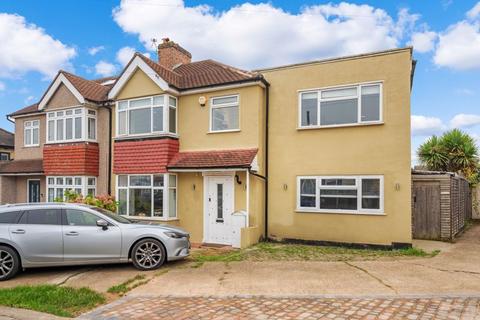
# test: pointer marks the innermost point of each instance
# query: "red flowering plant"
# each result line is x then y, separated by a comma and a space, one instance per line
102, 201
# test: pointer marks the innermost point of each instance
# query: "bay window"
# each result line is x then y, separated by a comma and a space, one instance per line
79, 124
152, 196
343, 194
357, 104
81, 185
31, 133
144, 116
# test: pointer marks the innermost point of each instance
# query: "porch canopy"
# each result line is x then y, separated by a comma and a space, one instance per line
21, 167
237, 159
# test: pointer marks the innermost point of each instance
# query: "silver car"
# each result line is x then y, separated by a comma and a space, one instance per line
60, 234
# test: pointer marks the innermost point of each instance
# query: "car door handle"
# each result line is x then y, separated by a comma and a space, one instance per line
72, 233
18, 231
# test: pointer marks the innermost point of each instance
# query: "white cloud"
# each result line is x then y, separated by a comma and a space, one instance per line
459, 46
27, 47
125, 54
426, 126
474, 12
423, 41
28, 99
259, 35
465, 120
2, 86
465, 92
105, 69
94, 50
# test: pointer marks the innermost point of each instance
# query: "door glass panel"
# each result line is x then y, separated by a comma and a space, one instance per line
80, 218
219, 202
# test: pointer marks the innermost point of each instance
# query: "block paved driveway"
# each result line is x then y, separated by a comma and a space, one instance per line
444, 287
289, 308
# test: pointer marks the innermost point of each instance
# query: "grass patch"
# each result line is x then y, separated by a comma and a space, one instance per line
268, 251
128, 285
60, 301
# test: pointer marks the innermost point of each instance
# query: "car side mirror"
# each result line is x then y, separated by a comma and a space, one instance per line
103, 224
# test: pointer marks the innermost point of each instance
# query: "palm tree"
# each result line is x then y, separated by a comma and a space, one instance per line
454, 151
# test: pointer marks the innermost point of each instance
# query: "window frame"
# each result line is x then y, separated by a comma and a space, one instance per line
358, 96
31, 127
84, 185
84, 115
165, 190
224, 105
358, 187
165, 113
5, 153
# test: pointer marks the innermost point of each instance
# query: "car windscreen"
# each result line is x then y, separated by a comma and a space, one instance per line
112, 215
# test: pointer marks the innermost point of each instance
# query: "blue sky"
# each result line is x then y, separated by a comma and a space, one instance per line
95, 38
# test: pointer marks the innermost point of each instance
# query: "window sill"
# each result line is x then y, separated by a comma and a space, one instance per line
223, 131
32, 146
145, 136
347, 212
376, 123
70, 142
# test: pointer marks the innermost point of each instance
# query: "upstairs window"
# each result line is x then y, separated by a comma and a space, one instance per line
341, 106
31, 133
69, 125
145, 116
224, 114
342, 194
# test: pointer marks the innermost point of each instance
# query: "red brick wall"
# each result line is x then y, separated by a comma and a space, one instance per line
71, 159
146, 156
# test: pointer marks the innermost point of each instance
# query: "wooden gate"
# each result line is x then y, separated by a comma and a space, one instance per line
426, 197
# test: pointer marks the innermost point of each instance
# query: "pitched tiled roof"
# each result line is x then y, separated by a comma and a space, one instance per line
30, 109
21, 166
239, 158
200, 74
7, 139
89, 89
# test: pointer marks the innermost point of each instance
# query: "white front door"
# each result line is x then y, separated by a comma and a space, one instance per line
219, 209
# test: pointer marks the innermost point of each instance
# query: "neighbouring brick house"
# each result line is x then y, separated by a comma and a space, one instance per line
7, 141
311, 151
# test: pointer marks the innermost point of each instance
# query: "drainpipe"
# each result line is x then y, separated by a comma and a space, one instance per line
110, 142
267, 102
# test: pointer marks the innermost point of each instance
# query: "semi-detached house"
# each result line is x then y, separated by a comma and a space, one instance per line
315, 151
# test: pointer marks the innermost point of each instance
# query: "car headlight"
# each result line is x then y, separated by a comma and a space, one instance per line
175, 235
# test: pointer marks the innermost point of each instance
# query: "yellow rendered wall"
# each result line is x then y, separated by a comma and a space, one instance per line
359, 150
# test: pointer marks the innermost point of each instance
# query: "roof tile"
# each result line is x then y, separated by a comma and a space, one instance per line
238, 158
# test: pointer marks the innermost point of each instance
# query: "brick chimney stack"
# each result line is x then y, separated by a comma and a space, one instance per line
171, 54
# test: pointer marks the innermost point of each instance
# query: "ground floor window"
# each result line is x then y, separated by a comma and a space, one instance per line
147, 196
81, 185
343, 194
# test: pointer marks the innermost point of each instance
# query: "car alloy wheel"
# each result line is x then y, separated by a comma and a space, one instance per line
149, 255
7, 264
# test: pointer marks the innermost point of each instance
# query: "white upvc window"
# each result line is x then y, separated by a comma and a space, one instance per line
341, 194
147, 116
341, 106
147, 196
225, 114
71, 125
31, 133
81, 185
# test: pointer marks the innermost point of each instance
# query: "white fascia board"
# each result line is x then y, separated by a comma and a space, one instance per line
53, 88
138, 63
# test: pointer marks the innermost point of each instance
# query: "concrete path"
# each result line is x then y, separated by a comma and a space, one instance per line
456, 270
23, 314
